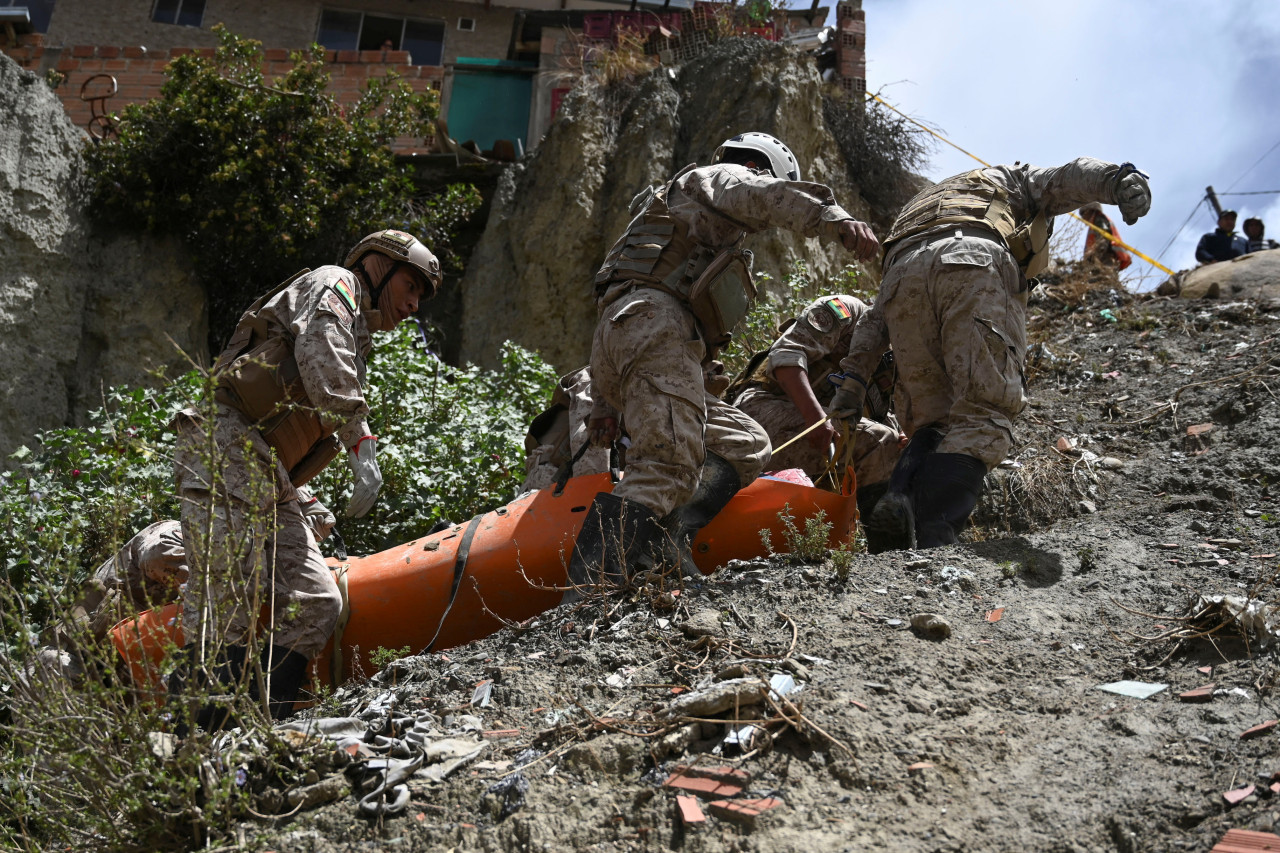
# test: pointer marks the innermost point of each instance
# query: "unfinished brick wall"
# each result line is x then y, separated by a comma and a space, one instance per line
851, 47
136, 74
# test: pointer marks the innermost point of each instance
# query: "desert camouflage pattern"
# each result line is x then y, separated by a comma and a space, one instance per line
816, 343
647, 355
712, 207
647, 363
953, 304
561, 440
331, 344
875, 445
248, 544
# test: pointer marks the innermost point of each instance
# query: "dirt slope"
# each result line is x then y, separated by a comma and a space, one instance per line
1021, 750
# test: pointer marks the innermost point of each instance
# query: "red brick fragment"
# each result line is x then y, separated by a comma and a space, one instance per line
919, 767
1203, 693
855, 703
743, 811
703, 787
690, 811
1234, 797
1246, 841
1205, 670
1259, 729
500, 733
996, 615
1199, 429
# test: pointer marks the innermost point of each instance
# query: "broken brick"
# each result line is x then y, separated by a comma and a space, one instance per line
690, 811
1239, 794
996, 615
1259, 729
1205, 670
703, 787
855, 703
1246, 841
1200, 694
743, 811
1197, 430
919, 767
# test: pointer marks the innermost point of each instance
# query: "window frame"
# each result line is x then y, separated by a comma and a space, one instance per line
179, 7
404, 20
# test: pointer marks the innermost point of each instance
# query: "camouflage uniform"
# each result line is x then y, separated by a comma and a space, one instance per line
248, 544
648, 351
954, 304
816, 342
559, 433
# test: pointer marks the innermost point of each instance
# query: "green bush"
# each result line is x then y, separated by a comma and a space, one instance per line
450, 439
262, 177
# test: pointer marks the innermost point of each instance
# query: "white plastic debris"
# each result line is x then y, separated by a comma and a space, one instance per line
1135, 689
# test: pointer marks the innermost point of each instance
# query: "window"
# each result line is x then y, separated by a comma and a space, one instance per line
467, 25
40, 11
184, 13
357, 31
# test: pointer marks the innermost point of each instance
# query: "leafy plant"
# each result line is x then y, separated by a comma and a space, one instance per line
262, 177
807, 546
450, 439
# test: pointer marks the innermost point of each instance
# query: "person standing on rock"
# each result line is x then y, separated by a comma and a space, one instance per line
289, 399
1222, 243
669, 294
787, 389
957, 269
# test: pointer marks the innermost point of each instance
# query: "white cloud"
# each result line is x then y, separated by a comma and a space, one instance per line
1182, 88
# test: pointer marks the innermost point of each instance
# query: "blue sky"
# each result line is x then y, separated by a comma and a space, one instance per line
1188, 90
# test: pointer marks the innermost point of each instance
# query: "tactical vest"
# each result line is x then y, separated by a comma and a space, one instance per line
257, 374
658, 252
974, 199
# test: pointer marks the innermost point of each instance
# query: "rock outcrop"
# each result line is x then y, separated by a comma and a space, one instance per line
1252, 276
557, 213
79, 309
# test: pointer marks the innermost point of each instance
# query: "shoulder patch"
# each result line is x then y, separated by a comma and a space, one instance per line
343, 290
838, 308
338, 307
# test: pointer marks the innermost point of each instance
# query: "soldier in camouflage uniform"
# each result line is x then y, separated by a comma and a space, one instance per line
954, 296
669, 294
787, 391
289, 400
150, 570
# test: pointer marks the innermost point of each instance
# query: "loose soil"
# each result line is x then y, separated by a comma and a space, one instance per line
1144, 476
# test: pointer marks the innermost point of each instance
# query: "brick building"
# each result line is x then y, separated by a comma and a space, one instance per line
499, 66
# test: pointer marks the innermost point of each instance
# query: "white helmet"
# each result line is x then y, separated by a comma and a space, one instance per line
781, 161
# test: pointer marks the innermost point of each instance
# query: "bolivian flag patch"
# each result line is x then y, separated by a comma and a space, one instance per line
838, 308
343, 290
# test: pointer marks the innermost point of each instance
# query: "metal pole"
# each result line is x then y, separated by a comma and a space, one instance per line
1213, 200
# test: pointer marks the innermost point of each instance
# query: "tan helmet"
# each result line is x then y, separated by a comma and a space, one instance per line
402, 248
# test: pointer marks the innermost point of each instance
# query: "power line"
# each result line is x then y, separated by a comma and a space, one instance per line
1180, 227
1254, 166
1258, 192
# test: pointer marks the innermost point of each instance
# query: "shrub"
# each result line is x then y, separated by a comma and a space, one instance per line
882, 152
262, 177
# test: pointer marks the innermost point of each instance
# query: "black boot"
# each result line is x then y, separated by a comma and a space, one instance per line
287, 670
717, 485
945, 491
217, 688
617, 539
891, 525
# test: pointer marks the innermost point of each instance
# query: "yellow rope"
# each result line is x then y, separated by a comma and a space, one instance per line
1110, 237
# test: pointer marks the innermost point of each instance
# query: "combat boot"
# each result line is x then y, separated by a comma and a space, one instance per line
617, 539
717, 484
217, 687
284, 680
891, 525
945, 490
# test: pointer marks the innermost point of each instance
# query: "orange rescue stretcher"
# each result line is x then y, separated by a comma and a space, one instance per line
466, 582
